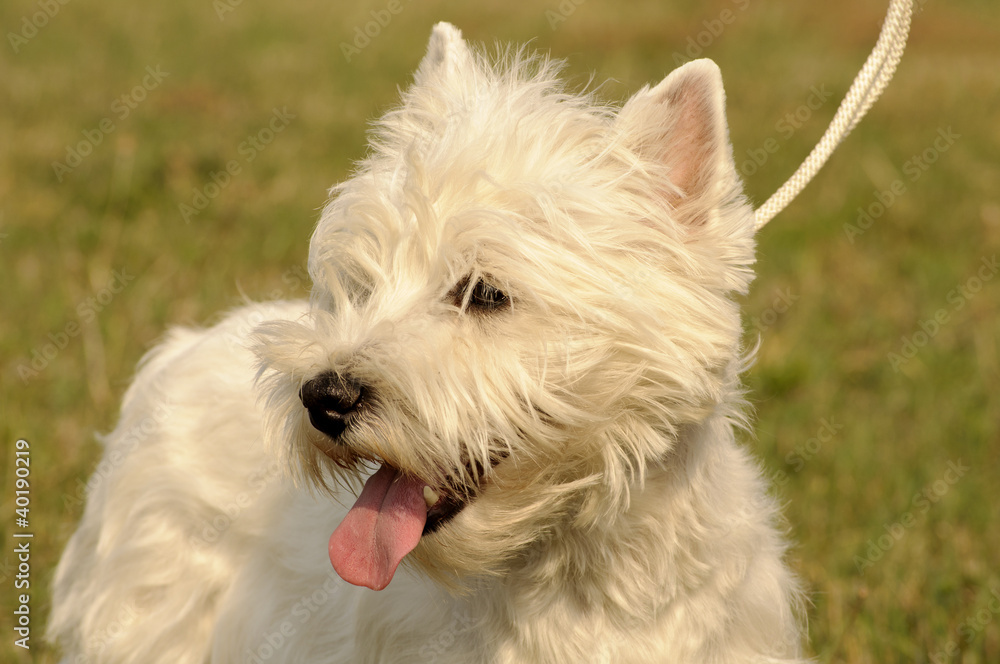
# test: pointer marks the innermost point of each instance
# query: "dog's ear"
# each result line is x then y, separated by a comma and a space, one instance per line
681, 124
447, 54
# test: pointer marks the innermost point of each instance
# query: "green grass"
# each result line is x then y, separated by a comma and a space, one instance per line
823, 358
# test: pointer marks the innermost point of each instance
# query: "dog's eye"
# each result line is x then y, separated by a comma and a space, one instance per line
482, 296
485, 296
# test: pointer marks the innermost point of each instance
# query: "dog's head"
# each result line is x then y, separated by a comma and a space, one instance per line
520, 299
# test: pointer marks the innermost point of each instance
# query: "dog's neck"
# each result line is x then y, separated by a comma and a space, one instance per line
579, 557
641, 573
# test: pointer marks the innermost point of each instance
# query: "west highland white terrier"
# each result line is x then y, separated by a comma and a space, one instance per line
522, 341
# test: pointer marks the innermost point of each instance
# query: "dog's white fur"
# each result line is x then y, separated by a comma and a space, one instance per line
622, 523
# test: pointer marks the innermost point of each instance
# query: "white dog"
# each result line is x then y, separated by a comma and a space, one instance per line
522, 321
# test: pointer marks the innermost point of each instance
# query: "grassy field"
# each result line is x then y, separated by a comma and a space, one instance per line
877, 386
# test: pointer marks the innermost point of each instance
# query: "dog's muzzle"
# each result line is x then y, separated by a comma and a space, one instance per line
332, 399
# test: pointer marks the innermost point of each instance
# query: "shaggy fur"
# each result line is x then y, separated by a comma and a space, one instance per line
536, 293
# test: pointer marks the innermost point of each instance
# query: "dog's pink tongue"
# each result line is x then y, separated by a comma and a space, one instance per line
384, 525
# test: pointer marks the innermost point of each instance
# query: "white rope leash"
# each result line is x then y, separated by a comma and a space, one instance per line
868, 85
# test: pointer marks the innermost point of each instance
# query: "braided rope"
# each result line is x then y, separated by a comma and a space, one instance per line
868, 85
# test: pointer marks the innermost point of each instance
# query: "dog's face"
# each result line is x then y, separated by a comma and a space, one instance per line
520, 300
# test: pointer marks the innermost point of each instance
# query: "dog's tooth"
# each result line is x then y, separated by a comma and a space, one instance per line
430, 496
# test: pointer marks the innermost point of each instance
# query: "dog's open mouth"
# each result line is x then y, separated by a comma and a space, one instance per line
442, 506
390, 516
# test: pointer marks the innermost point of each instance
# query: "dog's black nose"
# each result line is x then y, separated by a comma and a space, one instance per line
330, 399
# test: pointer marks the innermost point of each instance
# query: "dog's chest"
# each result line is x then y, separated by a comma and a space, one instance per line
416, 622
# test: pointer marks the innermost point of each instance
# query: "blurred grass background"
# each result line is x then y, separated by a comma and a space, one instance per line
857, 447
